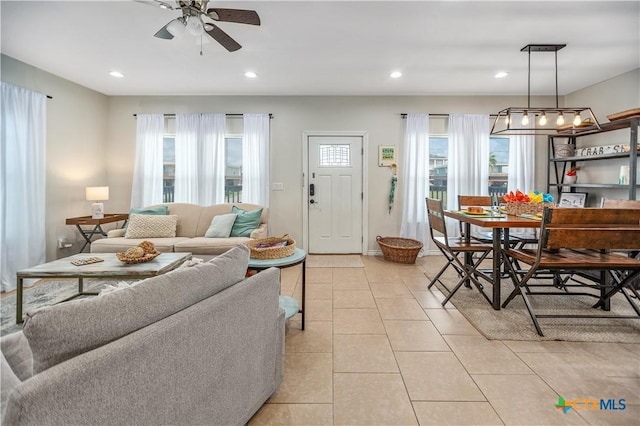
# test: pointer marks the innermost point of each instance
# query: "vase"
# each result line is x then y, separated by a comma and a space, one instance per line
570, 179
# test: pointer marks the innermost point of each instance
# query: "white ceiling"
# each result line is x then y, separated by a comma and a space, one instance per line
330, 48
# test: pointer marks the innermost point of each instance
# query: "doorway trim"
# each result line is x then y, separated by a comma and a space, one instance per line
365, 183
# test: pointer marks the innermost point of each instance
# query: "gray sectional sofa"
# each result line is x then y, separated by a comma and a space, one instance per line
193, 222
198, 345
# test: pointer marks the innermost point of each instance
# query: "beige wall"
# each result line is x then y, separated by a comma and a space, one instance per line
91, 140
76, 146
293, 115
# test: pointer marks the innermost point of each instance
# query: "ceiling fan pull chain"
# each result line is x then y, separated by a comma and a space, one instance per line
200, 44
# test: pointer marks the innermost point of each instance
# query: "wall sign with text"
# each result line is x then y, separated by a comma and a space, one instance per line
386, 155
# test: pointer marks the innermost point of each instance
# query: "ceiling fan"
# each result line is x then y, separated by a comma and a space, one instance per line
193, 17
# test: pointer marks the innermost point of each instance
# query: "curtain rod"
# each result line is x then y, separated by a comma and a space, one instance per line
404, 115
228, 115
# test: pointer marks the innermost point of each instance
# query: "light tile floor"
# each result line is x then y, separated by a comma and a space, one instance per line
379, 349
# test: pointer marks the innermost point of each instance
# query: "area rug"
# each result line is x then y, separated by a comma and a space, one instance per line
44, 293
334, 261
514, 322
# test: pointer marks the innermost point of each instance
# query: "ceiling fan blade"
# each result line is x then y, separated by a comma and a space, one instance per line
163, 33
234, 15
221, 37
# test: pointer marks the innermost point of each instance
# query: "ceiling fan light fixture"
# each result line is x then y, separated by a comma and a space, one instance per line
194, 26
176, 27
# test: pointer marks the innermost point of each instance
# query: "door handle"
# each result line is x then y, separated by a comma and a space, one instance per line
312, 190
312, 201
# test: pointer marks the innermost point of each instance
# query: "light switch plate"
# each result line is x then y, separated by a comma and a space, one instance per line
277, 186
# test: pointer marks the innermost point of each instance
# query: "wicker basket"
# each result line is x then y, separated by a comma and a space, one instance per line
400, 250
258, 251
519, 208
146, 258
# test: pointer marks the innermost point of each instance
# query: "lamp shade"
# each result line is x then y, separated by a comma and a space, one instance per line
97, 193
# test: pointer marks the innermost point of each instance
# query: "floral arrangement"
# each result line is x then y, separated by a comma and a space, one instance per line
532, 203
572, 171
531, 197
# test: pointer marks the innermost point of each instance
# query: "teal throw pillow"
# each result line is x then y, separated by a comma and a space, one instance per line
158, 210
246, 222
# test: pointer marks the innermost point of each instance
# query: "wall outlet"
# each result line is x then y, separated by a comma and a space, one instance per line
277, 186
63, 243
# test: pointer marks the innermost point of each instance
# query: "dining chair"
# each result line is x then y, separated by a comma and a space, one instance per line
452, 248
577, 240
516, 237
465, 201
623, 204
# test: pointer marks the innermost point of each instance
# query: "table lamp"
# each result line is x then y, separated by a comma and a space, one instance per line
97, 194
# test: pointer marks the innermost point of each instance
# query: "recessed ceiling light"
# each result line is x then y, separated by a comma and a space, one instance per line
250, 74
396, 74
501, 74
116, 74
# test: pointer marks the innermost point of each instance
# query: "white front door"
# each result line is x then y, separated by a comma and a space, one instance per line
335, 195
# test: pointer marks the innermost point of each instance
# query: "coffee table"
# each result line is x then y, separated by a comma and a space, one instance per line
299, 256
111, 267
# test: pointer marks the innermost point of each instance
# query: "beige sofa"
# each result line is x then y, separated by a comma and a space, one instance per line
193, 222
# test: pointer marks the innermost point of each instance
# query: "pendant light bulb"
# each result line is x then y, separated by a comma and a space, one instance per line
560, 120
578, 120
543, 119
525, 119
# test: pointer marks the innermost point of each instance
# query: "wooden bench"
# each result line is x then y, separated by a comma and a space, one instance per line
576, 240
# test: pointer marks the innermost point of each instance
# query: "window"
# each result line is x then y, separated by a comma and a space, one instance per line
335, 155
438, 159
233, 168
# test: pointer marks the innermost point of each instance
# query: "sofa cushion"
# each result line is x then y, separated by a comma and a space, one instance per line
8, 382
155, 210
221, 226
209, 212
17, 352
151, 226
246, 221
60, 332
115, 245
208, 246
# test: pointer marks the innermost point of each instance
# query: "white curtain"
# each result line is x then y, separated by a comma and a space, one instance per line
212, 163
147, 173
522, 161
255, 159
415, 180
468, 166
186, 149
22, 182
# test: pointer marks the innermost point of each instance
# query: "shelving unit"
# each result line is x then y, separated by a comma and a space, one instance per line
557, 167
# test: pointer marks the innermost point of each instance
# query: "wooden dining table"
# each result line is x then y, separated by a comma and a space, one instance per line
500, 226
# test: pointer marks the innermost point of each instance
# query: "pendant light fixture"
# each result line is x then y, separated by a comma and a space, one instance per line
580, 119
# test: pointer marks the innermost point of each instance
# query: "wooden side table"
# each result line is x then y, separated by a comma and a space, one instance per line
87, 233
